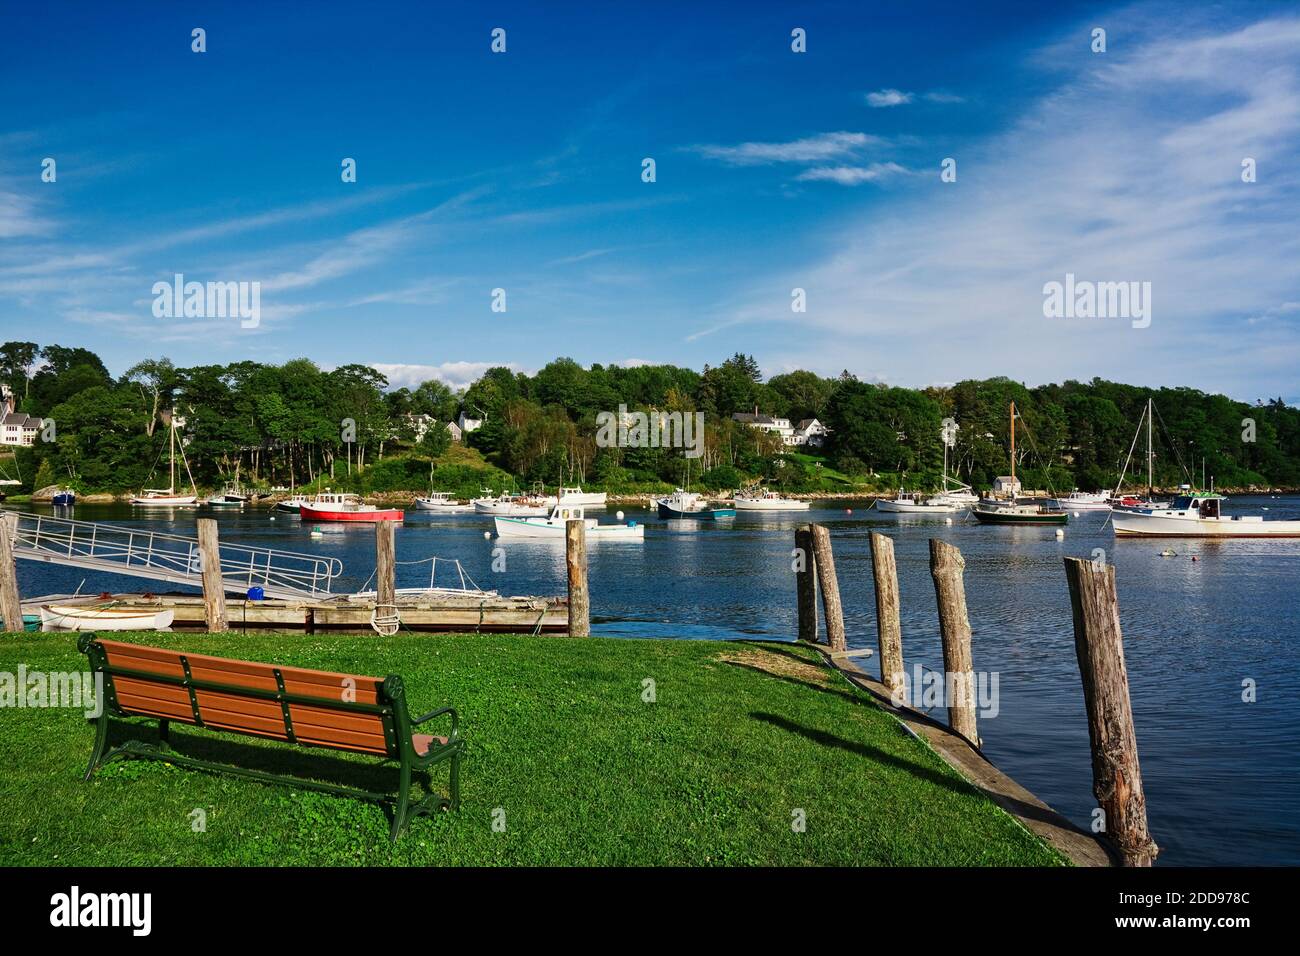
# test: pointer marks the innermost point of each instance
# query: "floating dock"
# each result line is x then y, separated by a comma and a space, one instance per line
467, 612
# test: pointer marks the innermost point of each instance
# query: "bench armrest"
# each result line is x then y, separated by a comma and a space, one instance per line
455, 718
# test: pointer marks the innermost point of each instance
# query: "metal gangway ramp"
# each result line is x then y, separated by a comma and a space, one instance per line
171, 557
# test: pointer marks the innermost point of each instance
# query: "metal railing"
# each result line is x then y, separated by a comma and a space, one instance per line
171, 557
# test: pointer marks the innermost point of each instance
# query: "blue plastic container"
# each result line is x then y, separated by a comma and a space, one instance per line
256, 594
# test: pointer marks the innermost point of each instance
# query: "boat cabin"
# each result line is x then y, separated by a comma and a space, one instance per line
1204, 506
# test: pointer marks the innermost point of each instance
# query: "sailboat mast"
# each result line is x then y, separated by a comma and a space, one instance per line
171, 451
1150, 454
1013, 448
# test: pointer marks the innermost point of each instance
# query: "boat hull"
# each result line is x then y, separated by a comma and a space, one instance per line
587, 499
771, 504
104, 619
63, 500
166, 501
669, 513
1136, 524
309, 513
525, 528
442, 507
507, 509
909, 508
1011, 517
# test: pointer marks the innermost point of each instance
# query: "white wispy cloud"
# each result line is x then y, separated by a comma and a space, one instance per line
889, 97
1129, 170
851, 175
811, 149
456, 375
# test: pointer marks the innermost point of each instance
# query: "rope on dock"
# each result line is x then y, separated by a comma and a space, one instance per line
388, 624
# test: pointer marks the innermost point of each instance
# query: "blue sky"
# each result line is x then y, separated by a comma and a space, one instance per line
775, 170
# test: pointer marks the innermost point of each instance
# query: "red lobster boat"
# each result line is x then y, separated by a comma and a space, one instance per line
330, 506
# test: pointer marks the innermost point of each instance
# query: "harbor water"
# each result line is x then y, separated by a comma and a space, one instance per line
1210, 633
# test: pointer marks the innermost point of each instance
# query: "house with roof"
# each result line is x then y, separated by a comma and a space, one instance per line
16, 428
811, 433
767, 423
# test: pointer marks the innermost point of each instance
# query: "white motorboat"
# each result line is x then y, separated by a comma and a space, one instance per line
585, 499
1198, 515
513, 506
760, 499
553, 525
1084, 501
906, 502
440, 502
167, 497
104, 618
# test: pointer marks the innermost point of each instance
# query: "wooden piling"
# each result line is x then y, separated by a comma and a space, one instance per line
385, 564
214, 589
889, 630
946, 567
1116, 775
575, 556
10, 602
830, 587
806, 584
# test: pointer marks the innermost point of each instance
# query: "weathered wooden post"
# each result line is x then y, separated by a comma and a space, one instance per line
888, 628
214, 589
1099, 644
830, 587
806, 583
10, 603
575, 556
385, 565
946, 567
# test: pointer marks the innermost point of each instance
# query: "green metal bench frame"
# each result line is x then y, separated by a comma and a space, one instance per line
392, 709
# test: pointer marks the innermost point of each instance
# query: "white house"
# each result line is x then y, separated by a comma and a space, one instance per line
767, 423
468, 424
1006, 485
16, 428
810, 432
420, 424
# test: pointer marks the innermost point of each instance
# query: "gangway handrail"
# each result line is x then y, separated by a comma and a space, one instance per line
171, 557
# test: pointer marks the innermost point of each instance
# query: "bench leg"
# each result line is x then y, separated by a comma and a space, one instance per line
101, 740
455, 781
403, 802
164, 728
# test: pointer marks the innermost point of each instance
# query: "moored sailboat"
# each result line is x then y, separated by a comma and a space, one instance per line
992, 510
167, 497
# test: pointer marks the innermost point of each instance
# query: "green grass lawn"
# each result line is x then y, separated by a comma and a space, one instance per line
560, 744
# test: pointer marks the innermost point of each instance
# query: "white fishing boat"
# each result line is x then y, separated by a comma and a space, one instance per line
906, 502
1198, 515
167, 497
513, 506
440, 502
104, 618
585, 499
1084, 501
761, 499
553, 525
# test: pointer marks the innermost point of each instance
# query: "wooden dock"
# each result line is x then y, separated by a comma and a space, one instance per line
463, 613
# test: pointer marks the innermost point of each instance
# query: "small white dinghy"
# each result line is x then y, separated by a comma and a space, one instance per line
74, 618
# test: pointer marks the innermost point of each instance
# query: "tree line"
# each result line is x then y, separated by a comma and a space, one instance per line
299, 425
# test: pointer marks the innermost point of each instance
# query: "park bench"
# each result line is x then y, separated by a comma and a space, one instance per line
363, 715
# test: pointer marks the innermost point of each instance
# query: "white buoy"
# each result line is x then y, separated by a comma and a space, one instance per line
1060, 532
272, 517
618, 515
1076, 514
487, 535
947, 521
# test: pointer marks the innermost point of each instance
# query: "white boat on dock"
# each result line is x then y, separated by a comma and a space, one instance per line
553, 525
1198, 515
104, 618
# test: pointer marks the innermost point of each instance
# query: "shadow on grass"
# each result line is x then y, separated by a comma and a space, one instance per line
823, 688
956, 785
296, 762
